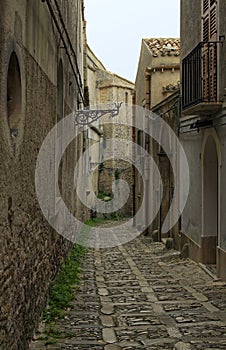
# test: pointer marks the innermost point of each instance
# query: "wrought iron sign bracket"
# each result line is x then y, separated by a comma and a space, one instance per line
89, 116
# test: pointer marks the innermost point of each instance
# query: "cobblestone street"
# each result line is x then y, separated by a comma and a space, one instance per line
141, 296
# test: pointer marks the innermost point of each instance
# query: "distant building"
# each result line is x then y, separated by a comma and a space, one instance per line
104, 90
158, 72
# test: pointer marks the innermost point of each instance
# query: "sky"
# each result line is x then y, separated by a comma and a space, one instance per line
115, 29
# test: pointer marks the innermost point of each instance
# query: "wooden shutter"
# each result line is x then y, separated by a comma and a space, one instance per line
209, 20
213, 74
205, 5
209, 74
206, 29
213, 22
209, 54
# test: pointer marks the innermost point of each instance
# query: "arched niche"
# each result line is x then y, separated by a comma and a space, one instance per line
14, 95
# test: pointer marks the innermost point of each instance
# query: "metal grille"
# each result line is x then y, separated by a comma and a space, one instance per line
199, 75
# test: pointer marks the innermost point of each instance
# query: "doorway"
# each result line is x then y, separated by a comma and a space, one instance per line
210, 202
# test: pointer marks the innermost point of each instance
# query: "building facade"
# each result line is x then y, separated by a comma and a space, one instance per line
156, 90
202, 129
41, 81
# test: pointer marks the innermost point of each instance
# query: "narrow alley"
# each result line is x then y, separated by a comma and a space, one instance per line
142, 296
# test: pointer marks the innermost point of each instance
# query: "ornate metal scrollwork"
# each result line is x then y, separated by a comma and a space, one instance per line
89, 116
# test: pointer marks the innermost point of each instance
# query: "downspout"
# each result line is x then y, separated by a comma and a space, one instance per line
134, 156
147, 148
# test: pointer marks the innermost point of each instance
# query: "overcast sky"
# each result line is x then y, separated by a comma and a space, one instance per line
115, 29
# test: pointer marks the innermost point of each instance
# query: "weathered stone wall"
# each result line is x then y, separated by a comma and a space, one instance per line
31, 252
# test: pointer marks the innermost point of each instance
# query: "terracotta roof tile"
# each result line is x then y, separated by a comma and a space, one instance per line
163, 46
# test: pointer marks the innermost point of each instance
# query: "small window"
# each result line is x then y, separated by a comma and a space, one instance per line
126, 97
14, 95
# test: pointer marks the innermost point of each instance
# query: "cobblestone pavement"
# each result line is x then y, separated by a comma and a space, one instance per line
140, 296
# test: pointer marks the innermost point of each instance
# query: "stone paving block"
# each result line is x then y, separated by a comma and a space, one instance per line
112, 347
182, 346
103, 291
142, 297
109, 335
107, 309
107, 321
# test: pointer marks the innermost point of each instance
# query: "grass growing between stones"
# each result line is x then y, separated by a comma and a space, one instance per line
61, 292
114, 216
61, 295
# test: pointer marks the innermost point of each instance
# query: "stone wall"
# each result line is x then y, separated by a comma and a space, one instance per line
31, 252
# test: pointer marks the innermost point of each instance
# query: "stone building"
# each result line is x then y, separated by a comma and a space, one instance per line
158, 72
104, 90
41, 81
203, 131
156, 90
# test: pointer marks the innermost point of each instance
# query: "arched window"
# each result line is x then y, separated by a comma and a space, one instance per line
14, 94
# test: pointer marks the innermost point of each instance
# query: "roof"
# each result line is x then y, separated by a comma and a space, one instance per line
163, 46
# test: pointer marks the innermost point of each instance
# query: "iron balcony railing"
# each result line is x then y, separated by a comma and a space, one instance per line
199, 75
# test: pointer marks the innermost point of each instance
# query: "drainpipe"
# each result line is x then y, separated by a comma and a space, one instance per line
147, 147
133, 157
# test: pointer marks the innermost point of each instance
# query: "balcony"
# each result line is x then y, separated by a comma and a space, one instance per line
200, 80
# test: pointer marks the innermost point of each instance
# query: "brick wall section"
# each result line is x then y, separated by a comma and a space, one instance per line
31, 252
